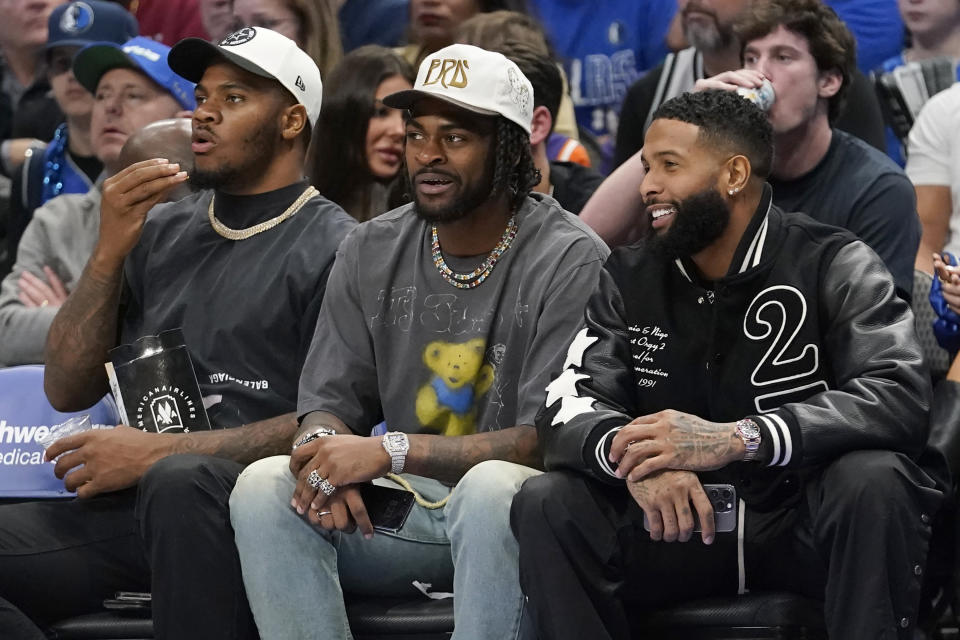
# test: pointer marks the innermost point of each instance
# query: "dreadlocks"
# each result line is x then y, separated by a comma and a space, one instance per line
514, 171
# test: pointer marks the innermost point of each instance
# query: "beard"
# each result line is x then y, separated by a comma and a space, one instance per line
473, 195
707, 37
257, 153
700, 219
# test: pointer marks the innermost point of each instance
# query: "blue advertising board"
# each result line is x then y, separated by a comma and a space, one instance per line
25, 417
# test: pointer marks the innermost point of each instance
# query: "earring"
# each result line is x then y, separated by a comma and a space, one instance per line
733, 192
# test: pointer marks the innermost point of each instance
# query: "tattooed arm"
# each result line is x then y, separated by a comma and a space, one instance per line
86, 325
444, 458
102, 460
447, 458
349, 459
674, 440
82, 332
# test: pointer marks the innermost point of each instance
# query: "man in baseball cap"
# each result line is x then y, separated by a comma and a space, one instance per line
446, 323
480, 81
266, 62
68, 164
240, 267
260, 51
140, 54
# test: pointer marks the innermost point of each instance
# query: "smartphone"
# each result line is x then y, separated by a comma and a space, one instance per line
723, 497
388, 508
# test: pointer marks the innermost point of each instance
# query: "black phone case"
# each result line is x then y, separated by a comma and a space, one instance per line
388, 508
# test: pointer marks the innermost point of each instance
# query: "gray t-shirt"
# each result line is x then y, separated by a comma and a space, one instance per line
396, 342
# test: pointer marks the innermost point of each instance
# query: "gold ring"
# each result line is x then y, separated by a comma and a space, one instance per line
44, 303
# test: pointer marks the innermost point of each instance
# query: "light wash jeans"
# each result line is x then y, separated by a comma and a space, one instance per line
295, 574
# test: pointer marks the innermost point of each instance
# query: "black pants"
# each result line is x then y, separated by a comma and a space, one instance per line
858, 540
171, 536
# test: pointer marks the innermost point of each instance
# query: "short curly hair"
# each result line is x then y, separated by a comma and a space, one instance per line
727, 122
831, 43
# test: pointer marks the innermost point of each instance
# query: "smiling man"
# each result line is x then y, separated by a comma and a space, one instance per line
808, 55
442, 318
744, 345
241, 268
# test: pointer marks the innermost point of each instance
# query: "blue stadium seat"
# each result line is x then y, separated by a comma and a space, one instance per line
25, 415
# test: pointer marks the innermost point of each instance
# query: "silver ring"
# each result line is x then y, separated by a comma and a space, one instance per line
320, 514
314, 479
326, 487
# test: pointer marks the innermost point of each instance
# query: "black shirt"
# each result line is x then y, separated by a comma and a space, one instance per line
860, 189
573, 184
247, 308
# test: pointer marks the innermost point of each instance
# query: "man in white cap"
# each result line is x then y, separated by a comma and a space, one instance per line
241, 268
443, 319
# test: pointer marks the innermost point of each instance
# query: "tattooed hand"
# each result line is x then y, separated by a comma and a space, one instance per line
674, 440
102, 460
665, 497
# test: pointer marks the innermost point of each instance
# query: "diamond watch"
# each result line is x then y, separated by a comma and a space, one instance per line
749, 432
396, 445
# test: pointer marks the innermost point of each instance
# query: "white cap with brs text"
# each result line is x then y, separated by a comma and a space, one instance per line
260, 51
473, 78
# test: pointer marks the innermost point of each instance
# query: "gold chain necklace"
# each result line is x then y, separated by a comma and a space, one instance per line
243, 234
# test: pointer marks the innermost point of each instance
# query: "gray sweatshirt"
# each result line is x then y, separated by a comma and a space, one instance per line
61, 235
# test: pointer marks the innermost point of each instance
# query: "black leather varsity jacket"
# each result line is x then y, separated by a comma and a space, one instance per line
805, 335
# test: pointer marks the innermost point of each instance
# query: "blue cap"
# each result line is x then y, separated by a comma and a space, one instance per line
140, 54
81, 23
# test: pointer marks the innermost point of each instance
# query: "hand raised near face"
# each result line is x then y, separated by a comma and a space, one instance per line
731, 80
127, 197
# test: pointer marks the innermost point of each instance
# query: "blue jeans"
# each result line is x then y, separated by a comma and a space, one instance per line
295, 574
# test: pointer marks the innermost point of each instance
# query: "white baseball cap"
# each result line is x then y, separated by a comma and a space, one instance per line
260, 51
473, 78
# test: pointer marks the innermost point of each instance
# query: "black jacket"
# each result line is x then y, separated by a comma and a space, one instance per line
805, 334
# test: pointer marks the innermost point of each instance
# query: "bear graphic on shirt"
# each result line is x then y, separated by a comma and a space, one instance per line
446, 404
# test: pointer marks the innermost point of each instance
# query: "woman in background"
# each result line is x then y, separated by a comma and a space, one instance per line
357, 151
312, 24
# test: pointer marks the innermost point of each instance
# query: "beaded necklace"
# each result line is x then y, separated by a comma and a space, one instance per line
476, 277
53, 167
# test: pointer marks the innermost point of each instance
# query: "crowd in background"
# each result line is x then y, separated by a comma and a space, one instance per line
864, 128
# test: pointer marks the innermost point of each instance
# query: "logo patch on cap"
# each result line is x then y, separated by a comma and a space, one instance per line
77, 18
299, 84
237, 38
142, 52
448, 72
